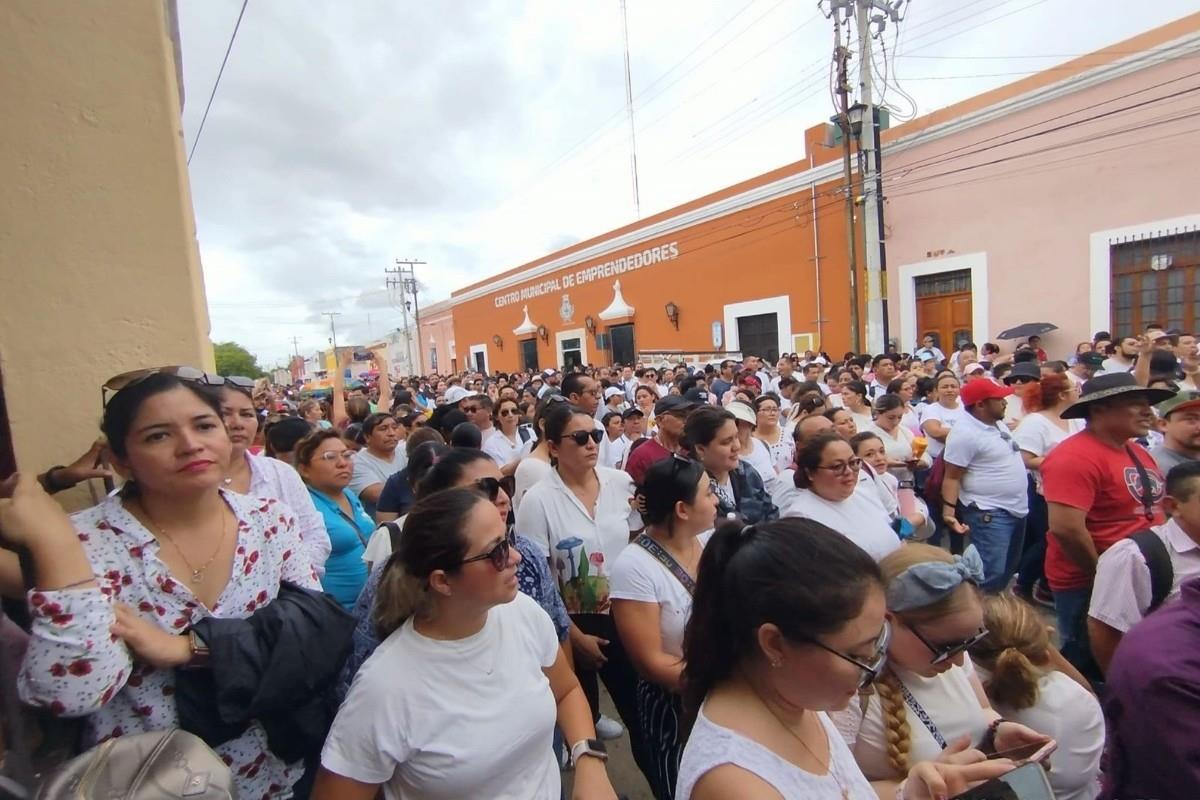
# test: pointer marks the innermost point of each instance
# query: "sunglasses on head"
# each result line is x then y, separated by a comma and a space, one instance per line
945, 652
498, 555
581, 437
188, 374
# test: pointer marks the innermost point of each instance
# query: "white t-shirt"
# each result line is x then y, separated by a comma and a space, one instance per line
784, 490
1122, 591
946, 416
582, 545
948, 699
759, 457
379, 546
783, 449
1038, 435
1071, 715
370, 470
899, 447
530, 472
639, 576
995, 477
503, 450
444, 720
614, 452
861, 518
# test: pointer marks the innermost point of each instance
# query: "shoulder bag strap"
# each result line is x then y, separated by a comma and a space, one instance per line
922, 715
1162, 572
1147, 493
667, 560
393, 534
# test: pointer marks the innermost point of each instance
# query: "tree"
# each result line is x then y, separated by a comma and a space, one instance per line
233, 359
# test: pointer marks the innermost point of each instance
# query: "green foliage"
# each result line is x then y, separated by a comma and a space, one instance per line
233, 359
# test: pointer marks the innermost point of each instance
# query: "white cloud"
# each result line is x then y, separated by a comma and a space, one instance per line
478, 135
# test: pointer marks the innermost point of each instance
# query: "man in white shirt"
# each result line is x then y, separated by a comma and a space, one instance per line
785, 370
985, 482
1123, 591
884, 367
928, 347
478, 409
1084, 368
1122, 359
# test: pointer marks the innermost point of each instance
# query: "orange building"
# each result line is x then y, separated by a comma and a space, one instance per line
774, 245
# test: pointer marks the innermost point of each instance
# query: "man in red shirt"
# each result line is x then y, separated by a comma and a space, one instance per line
669, 415
1100, 486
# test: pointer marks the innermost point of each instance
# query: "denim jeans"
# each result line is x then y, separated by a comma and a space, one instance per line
1071, 611
997, 535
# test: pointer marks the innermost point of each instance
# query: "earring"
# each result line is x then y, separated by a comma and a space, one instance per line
776, 664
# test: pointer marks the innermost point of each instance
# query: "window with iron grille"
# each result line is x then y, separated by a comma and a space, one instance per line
1156, 279
943, 283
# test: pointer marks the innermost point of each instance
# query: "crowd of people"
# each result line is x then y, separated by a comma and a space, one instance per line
889, 575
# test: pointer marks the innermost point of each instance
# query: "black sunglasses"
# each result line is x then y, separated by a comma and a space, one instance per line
489, 486
498, 555
581, 437
945, 652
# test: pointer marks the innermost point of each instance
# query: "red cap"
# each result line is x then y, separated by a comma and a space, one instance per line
976, 391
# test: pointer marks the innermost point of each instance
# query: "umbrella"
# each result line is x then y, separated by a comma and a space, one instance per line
1027, 330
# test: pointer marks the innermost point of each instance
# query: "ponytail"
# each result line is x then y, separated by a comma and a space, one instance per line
1016, 651
1014, 682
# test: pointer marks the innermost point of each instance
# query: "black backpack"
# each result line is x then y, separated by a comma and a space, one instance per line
1162, 574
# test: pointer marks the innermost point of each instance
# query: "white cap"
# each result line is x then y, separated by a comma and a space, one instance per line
456, 393
976, 367
613, 391
743, 412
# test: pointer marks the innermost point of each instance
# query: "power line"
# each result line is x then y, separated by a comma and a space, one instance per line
217, 82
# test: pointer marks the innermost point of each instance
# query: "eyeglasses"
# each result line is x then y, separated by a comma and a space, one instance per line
240, 382
843, 468
581, 437
469, 409
508, 412
870, 670
498, 555
489, 486
945, 652
1016, 448
329, 456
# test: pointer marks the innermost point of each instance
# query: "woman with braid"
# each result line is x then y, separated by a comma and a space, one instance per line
928, 704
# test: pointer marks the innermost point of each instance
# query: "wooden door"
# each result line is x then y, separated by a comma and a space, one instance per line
944, 309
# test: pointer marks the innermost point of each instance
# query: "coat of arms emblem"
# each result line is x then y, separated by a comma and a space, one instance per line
566, 311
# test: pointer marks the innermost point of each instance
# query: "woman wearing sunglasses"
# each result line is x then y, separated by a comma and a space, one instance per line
834, 490
260, 476
326, 465
462, 697
119, 585
652, 584
788, 624
928, 702
506, 445
580, 517
454, 468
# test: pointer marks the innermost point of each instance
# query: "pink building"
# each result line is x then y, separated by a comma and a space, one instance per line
436, 335
1069, 197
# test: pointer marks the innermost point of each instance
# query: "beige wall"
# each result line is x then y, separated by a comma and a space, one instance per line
99, 268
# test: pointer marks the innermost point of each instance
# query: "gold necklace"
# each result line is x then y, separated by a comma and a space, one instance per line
829, 768
197, 574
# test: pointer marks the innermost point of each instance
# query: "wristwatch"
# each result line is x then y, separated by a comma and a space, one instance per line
588, 747
200, 651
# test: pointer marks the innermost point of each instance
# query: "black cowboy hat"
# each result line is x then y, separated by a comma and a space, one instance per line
1114, 385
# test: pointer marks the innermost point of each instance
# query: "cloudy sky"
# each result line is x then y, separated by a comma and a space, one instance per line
476, 135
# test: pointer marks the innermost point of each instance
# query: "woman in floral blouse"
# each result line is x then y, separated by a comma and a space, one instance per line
119, 585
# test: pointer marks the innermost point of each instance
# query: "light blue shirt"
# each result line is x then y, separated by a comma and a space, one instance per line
345, 571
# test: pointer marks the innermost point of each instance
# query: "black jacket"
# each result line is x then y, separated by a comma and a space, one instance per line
277, 666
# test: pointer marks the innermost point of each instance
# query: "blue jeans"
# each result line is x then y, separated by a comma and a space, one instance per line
998, 536
1071, 609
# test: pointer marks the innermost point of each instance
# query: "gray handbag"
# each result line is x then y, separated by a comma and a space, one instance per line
164, 765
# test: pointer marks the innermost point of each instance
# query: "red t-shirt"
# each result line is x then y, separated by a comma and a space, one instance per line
1085, 473
643, 458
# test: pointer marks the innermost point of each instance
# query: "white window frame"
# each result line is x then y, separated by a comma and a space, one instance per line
480, 348
975, 263
573, 333
780, 306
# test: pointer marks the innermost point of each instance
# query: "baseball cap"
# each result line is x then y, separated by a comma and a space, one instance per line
925, 355
1182, 400
696, 395
612, 391
1094, 360
976, 392
632, 412
671, 403
549, 371
457, 393
743, 413
976, 367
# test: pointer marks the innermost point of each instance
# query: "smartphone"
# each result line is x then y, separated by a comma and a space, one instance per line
1027, 782
1035, 753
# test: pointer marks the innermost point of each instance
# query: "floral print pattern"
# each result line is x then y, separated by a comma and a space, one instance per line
75, 667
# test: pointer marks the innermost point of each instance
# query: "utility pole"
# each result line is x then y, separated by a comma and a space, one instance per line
296, 345
841, 55
337, 364
403, 277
